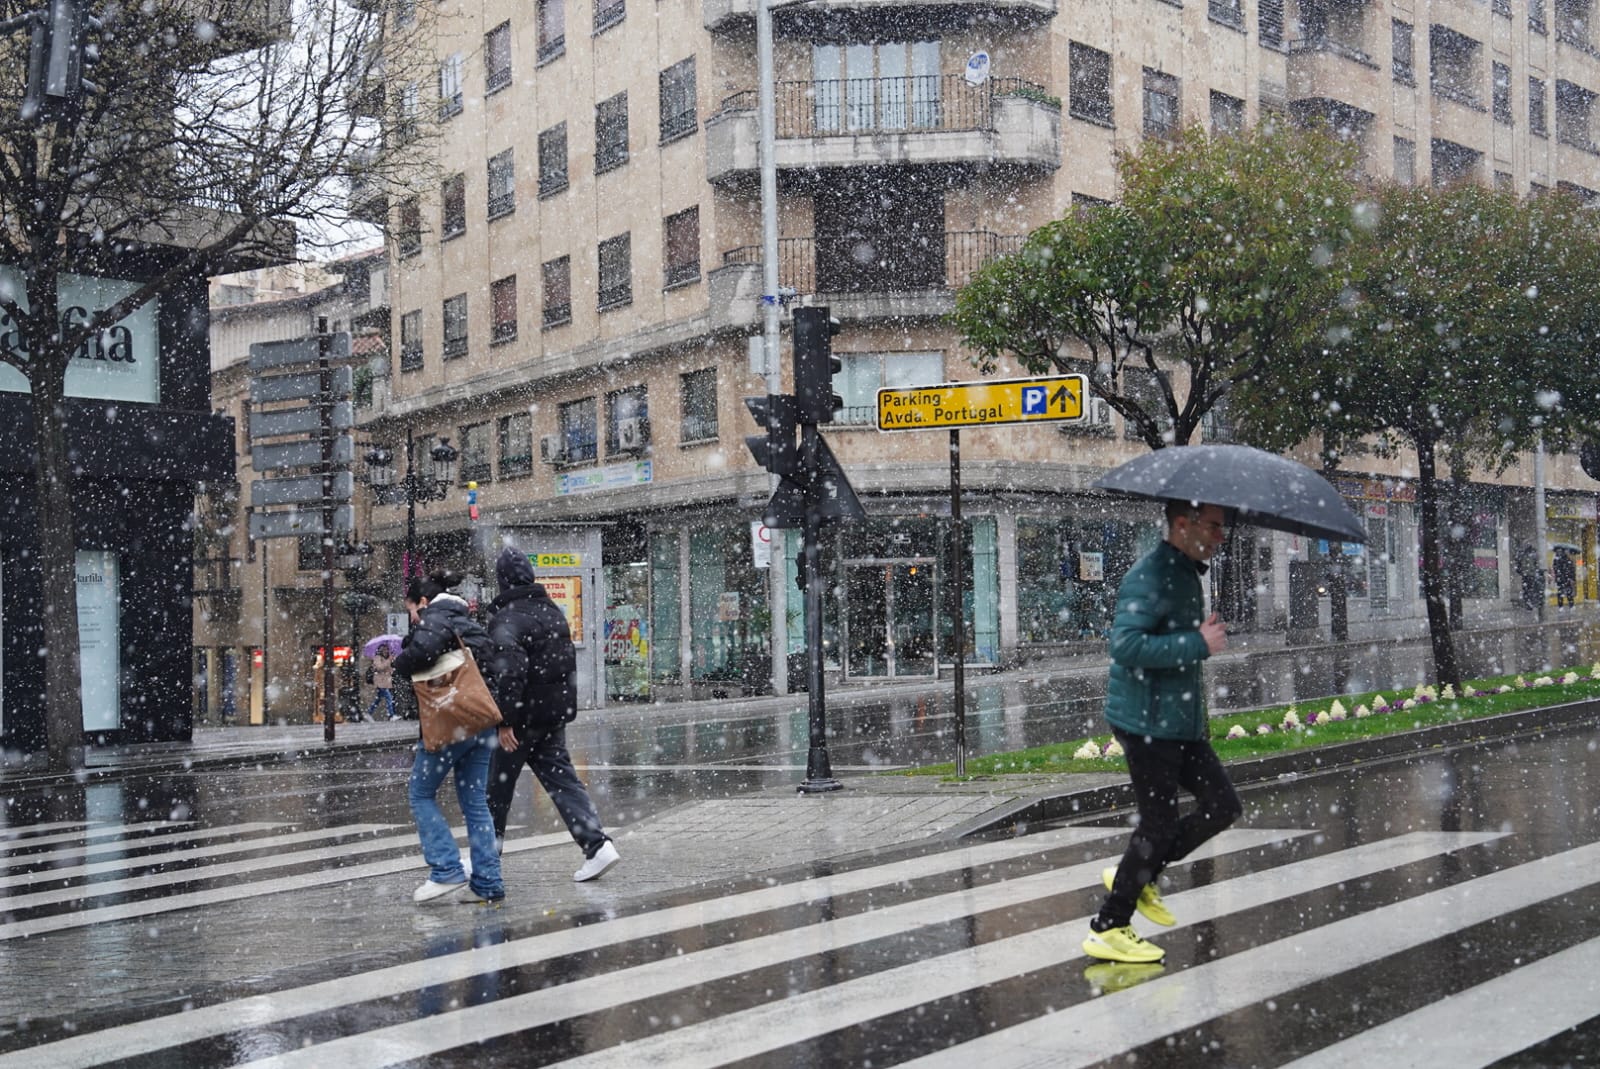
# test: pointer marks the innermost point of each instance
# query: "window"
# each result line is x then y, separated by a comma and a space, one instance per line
516, 445
697, 398
1505, 180
1403, 54
679, 117
611, 133
1537, 117
1536, 16
406, 110
862, 375
683, 247
474, 454
408, 234
576, 424
1574, 113
552, 29
411, 340
627, 421
1454, 163
503, 310
1502, 93
1089, 84
553, 160
450, 86
453, 200
1161, 114
616, 271
1405, 161
1227, 12
557, 292
1454, 66
1269, 22
455, 326
502, 184
1227, 113
886, 86
497, 58
1585, 195
1572, 21
607, 13
308, 553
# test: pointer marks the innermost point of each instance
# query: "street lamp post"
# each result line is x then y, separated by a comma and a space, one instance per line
414, 488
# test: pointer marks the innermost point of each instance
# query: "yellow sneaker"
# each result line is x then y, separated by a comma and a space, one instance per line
1110, 976
1121, 944
1150, 904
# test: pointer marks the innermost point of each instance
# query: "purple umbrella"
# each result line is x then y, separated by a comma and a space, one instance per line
389, 642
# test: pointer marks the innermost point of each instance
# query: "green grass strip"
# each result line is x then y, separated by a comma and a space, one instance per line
1058, 757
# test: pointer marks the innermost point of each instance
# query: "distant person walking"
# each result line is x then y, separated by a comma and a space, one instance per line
440, 623
1564, 570
1155, 703
1531, 576
381, 675
534, 675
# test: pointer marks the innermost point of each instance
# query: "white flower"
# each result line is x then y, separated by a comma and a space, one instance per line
1086, 751
1336, 711
1113, 749
1291, 719
1423, 691
1409, 703
1449, 692
1323, 717
1570, 677
1503, 688
1379, 704
1544, 681
1519, 681
1594, 673
1237, 732
1362, 712
1263, 729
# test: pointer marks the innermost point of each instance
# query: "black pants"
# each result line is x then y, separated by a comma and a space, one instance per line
1158, 768
545, 753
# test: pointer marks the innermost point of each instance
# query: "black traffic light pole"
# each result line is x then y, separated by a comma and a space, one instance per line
819, 773
958, 612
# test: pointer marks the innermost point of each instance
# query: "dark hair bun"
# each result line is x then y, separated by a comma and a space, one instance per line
445, 579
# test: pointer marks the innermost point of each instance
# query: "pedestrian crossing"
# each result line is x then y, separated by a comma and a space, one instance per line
1296, 946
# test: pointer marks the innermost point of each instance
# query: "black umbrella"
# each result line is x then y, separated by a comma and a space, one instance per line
1257, 487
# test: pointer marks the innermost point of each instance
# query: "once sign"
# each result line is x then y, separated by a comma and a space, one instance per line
1057, 399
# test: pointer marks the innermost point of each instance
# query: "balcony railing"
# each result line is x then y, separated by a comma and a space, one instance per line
914, 104
904, 265
1333, 46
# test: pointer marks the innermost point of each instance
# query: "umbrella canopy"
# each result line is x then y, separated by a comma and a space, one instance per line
1568, 546
373, 645
1257, 487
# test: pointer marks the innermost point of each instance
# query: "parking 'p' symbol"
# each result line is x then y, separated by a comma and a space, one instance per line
1033, 400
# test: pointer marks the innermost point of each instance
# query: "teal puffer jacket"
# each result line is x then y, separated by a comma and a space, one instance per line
1156, 686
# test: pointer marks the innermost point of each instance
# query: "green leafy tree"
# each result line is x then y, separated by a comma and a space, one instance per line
1219, 256
1467, 330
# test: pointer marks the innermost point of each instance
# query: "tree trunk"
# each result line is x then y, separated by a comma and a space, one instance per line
1458, 555
1445, 667
63, 712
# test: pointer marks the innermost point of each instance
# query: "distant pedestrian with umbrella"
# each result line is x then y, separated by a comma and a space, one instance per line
1564, 570
1160, 637
381, 675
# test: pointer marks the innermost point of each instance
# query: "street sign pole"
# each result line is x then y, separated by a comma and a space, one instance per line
958, 615
330, 704
819, 773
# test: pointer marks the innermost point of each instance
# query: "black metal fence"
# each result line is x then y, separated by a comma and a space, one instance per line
911, 104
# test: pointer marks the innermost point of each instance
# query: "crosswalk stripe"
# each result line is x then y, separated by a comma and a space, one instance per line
416, 1039
773, 1026
118, 849
201, 1022
26, 830
1470, 1029
23, 841
150, 881
1092, 1032
320, 878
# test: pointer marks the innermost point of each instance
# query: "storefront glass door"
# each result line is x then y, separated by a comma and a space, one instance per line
889, 612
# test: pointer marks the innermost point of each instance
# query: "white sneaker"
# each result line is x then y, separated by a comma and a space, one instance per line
466, 863
430, 890
603, 859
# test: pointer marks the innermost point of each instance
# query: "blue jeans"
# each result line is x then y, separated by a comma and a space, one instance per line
384, 695
470, 760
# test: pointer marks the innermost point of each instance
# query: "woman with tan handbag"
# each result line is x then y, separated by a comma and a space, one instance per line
444, 644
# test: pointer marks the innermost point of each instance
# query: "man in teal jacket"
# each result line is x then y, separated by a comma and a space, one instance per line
1155, 703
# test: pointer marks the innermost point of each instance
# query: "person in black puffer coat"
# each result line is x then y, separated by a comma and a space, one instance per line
534, 674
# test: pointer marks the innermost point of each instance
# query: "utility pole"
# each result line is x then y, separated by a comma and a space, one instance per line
766, 107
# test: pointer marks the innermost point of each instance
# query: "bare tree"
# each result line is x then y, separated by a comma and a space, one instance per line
212, 134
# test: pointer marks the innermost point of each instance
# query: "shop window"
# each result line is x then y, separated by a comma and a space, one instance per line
862, 375
516, 444
502, 184
627, 421
474, 465
497, 58
682, 234
1089, 87
455, 326
728, 604
579, 430
679, 114
552, 21
666, 630
611, 133
453, 206
1068, 572
557, 292
698, 401
553, 160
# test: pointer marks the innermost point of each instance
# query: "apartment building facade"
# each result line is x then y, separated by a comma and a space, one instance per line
572, 300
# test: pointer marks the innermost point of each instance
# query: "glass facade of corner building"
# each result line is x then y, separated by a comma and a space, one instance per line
729, 621
1068, 571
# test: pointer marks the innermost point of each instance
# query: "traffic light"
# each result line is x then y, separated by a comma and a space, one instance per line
815, 365
775, 450
55, 60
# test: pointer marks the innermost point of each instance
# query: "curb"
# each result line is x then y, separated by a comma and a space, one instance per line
1333, 757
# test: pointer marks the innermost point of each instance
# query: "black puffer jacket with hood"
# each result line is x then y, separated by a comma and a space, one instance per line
535, 665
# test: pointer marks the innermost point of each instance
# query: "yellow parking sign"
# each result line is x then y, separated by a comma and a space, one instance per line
1053, 399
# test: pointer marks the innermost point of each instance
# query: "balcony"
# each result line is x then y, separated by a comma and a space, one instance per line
907, 277
1333, 68
369, 200
868, 122
729, 14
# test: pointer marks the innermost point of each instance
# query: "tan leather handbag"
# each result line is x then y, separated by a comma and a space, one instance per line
453, 701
